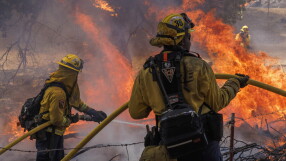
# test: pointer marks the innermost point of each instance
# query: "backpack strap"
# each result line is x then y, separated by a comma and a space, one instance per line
55, 84
151, 62
178, 76
157, 77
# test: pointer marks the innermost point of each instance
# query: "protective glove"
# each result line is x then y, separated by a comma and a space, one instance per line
74, 118
97, 116
242, 79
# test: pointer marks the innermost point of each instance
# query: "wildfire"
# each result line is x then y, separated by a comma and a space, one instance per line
228, 57
104, 6
113, 66
13, 130
111, 76
251, 105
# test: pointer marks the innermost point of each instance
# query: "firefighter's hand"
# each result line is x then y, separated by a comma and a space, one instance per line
74, 118
242, 79
97, 116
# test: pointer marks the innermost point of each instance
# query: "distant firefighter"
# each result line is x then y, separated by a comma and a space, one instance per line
243, 37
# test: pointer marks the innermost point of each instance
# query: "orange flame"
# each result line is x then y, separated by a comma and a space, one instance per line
104, 6
118, 70
12, 129
228, 57
252, 104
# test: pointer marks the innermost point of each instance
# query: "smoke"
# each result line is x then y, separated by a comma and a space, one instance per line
267, 30
114, 45
107, 76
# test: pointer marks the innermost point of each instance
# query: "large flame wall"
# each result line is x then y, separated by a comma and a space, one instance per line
107, 78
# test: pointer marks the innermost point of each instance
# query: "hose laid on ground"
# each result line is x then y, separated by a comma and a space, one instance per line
125, 106
33, 131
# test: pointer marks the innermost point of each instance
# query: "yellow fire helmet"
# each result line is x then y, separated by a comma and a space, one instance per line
171, 30
72, 61
244, 28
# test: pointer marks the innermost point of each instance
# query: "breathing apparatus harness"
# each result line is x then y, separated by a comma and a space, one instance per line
180, 127
30, 117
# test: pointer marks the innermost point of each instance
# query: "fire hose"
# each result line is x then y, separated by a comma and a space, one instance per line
95, 131
44, 125
38, 128
122, 109
254, 83
125, 106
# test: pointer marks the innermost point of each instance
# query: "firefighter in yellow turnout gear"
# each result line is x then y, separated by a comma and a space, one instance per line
57, 108
197, 81
243, 37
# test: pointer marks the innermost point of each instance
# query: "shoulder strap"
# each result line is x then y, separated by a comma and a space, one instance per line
178, 76
178, 71
151, 63
156, 76
55, 84
63, 87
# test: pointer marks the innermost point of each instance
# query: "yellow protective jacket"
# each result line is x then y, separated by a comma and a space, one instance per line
199, 80
199, 87
54, 100
244, 39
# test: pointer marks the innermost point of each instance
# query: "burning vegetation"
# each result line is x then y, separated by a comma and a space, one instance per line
112, 37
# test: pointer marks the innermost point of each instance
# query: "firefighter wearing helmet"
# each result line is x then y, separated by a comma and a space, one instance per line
56, 107
178, 86
243, 37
